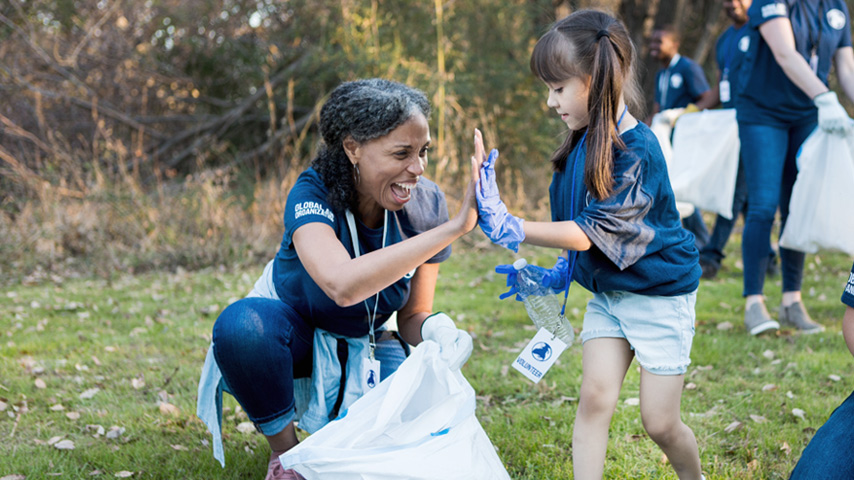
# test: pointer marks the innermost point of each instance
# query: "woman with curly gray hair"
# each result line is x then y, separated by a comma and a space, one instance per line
364, 236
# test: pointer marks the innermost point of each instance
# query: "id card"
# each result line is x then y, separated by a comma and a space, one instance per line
539, 355
814, 63
370, 373
723, 89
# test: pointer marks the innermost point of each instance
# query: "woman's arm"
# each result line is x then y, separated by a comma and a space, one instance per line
566, 235
348, 281
422, 289
780, 38
843, 59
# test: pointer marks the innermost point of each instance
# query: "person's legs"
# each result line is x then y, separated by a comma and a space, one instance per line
660, 398
261, 345
604, 365
694, 223
828, 455
792, 310
763, 149
712, 253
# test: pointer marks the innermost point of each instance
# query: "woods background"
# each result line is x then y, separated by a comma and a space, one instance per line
166, 133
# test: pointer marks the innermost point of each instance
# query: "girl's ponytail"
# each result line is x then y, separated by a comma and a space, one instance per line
606, 88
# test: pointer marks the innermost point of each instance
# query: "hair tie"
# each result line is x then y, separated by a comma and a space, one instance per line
603, 33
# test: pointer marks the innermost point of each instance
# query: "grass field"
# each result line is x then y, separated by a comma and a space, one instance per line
98, 379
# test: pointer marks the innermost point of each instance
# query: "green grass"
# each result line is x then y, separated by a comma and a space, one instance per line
78, 334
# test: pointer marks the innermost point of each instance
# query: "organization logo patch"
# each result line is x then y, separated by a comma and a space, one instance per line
836, 19
774, 10
744, 43
676, 80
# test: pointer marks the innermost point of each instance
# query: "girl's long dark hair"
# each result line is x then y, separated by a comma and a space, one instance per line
591, 44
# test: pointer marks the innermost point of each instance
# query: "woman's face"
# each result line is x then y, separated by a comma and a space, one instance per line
389, 167
569, 99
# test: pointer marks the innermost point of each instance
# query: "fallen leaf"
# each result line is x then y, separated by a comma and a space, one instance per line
3, 406
753, 464
89, 393
169, 409
73, 415
725, 326
54, 440
137, 383
64, 445
758, 418
95, 472
57, 408
733, 426
123, 474
634, 401
768, 354
115, 432
98, 429
180, 448
799, 413
14, 476
691, 386
39, 383
246, 427
504, 370
786, 448
835, 378
769, 387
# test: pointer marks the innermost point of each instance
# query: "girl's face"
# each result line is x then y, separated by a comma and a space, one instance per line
389, 167
569, 99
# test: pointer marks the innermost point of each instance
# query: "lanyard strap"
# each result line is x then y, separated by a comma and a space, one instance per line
573, 255
814, 44
354, 235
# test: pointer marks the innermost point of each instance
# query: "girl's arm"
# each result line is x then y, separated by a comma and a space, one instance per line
348, 281
566, 235
780, 38
843, 60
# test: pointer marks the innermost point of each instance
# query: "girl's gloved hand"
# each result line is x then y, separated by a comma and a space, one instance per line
554, 278
494, 219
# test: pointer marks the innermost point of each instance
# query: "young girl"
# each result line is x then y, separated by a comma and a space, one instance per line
614, 212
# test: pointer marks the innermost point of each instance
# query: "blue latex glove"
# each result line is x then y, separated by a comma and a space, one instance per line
554, 278
494, 219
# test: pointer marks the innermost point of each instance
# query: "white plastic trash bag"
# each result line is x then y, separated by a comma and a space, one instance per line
705, 160
419, 423
662, 127
820, 210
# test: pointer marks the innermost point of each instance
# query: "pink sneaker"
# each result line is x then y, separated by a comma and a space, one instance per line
276, 472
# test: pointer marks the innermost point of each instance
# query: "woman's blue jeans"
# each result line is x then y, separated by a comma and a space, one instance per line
261, 345
769, 153
828, 455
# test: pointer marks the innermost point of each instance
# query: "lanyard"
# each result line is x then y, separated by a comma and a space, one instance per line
573, 255
814, 43
354, 235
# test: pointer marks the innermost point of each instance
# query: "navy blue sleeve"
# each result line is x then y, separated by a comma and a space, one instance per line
698, 84
616, 224
848, 293
657, 95
426, 210
845, 41
761, 11
307, 203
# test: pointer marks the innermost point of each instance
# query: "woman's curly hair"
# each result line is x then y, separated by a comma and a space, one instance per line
364, 110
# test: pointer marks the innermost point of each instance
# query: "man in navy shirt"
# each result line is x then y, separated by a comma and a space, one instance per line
680, 83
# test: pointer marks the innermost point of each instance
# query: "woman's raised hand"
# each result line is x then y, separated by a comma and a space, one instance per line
494, 219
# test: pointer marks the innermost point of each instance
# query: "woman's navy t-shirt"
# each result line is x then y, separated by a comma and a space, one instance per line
769, 97
307, 203
639, 244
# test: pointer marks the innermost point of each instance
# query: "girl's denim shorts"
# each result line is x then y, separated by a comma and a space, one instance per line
660, 330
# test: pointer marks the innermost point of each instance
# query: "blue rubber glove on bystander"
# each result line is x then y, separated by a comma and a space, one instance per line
494, 219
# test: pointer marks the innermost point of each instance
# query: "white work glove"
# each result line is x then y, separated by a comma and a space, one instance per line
831, 116
455, 344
